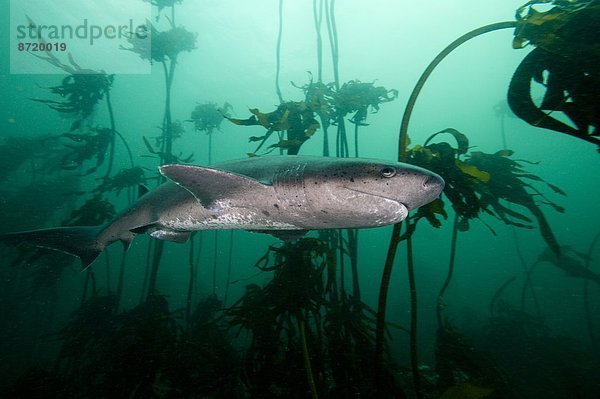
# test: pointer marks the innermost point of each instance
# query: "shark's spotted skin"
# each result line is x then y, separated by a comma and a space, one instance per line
281, 195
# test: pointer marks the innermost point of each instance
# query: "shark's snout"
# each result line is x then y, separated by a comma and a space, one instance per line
434, 184
431, 187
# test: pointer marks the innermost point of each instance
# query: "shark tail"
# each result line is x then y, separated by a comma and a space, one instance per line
77, 241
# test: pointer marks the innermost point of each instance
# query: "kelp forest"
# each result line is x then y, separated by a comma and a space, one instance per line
338, 313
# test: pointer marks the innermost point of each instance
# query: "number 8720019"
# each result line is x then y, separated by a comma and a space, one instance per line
36, 46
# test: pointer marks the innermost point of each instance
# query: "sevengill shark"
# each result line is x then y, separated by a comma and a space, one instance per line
281, 195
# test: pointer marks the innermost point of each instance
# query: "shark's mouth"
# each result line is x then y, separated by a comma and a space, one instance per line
374, 195
376, 210
377, 196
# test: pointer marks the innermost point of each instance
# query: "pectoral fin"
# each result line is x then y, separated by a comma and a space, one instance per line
212, 185
171, 235
155, 230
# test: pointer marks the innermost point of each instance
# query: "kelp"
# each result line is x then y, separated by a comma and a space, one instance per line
46, 269
125, 178
205, 361
143, 340
554, 29
86, 146
166, 157
509, 183
318, 96
144, 352
93, 212
86, 333
564, 62
357, 97
277, 316
297, 284
208, 116
176, 131
81, 93
82, 90
349, 326
294, 118
298, 119
160, 4
163, 44
353, 97
111, 355
572, 262
300, 315
444, 159
477, 182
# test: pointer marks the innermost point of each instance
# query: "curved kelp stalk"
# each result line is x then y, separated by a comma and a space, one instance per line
403, 135
402, 156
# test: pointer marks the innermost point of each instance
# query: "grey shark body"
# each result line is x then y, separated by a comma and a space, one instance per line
281, 195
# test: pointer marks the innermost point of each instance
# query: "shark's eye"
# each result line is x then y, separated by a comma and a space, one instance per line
388, 171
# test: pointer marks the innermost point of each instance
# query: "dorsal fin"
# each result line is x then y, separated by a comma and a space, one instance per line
210, 185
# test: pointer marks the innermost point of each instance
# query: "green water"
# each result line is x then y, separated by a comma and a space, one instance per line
61, 336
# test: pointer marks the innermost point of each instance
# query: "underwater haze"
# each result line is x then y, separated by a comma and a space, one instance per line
491, 290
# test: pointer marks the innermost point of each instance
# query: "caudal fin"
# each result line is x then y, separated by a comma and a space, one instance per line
77, 241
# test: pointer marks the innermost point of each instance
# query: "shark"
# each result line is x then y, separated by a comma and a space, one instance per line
285, 196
